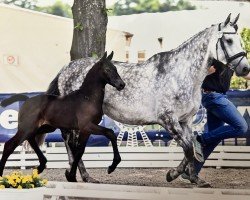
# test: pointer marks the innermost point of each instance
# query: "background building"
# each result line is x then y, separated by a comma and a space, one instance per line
156, 32
34, 46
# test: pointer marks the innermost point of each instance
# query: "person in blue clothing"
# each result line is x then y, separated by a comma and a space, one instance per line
219, 111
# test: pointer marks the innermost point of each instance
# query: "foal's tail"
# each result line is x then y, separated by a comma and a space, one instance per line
14, 98
40, 139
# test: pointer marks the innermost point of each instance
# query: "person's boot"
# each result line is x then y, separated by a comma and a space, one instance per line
198, 150
185, 178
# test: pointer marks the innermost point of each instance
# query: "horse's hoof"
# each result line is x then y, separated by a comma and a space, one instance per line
40, 168
111, 169
90, 180
168, 176
69, 177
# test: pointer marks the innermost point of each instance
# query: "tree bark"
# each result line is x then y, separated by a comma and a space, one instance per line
90, 25
89, 39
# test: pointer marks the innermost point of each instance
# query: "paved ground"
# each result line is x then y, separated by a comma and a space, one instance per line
219, 178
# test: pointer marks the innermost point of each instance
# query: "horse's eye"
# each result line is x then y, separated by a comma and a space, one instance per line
229, 41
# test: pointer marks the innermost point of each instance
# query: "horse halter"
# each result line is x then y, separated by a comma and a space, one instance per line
229, 59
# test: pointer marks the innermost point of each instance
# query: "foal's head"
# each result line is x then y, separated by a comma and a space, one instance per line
109, 72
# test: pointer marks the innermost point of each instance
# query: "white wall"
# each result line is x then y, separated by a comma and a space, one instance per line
175, 26
40, 43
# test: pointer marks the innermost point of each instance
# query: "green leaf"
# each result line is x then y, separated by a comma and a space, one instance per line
94, 55
79, 26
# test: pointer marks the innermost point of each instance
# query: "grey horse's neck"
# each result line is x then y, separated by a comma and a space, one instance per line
191, 57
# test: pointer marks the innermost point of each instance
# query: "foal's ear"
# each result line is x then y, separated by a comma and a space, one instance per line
104, 56
236, 19
227, 20
110, 56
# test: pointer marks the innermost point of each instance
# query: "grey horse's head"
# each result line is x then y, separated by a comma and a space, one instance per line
228, 49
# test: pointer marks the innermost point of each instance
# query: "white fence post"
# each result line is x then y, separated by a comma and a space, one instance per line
23, 160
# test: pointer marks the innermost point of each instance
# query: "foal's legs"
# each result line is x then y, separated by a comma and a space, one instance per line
71, 176
97, 130
109, 133
39, 153
9, 148
71, 143
33, 143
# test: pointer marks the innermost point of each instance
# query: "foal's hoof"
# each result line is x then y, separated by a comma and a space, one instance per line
169, 177
111, 169
40, 168
69, 177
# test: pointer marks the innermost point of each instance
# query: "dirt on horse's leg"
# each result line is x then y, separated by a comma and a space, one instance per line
71, 145
84, 174
175, 129
71, 175
189, 153
189, 156
192, 172
174, 173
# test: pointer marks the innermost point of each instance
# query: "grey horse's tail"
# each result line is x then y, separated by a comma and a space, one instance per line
53, 87
14, 98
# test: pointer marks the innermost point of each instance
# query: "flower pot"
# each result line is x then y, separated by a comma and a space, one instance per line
22, 194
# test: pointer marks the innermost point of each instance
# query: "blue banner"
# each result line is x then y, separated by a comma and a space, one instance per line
9, 116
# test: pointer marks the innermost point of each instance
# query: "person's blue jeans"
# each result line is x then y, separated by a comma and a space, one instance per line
220, 111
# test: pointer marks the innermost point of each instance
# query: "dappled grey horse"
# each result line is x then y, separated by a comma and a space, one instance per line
165, 89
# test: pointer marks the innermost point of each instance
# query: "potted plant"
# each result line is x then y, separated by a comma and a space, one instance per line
16, 185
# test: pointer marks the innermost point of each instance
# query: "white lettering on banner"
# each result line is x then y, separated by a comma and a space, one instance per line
8, 119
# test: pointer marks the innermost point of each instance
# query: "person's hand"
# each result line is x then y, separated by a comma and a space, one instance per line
211, 70
247, 76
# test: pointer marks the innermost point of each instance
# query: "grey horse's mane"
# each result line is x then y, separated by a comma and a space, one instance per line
180, 47
162, 57
185, 43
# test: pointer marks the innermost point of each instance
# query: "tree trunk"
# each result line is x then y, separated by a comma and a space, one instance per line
89, 39
90, 25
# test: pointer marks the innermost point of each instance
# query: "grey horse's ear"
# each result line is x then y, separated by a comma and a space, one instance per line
236, 19
110, 56
227, 20
104, 56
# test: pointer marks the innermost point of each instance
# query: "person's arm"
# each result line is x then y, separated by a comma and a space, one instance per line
247, 76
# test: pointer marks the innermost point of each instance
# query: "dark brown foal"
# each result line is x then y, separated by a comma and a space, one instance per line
80, 110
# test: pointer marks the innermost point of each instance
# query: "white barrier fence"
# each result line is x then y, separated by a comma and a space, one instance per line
66, 191
100, 157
